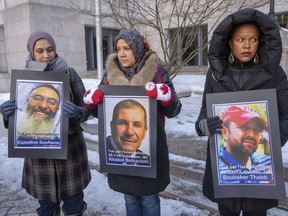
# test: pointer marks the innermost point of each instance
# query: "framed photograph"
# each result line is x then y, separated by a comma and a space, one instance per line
127, 131
246, 156
38, 129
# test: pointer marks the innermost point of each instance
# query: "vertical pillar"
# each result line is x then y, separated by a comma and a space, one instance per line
99, 45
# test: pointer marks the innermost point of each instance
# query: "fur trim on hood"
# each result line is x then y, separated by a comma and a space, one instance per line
116, 77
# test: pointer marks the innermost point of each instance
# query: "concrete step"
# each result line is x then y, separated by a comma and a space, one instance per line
188, 146
190, 193
186, 176
187, 168
89, 127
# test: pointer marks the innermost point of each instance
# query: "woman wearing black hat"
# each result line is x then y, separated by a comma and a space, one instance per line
244, 54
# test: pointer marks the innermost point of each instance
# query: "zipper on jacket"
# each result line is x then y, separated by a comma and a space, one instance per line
243, 203
241, 84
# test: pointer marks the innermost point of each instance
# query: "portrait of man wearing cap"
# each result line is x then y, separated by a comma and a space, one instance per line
239, 161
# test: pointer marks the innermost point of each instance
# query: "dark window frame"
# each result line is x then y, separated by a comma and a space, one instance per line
201, 59
108, 36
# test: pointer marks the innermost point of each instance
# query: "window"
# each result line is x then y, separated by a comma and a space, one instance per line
90, 40
193, 41
108, 41
282, 19
108, 36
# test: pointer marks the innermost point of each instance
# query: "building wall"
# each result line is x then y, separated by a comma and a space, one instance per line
61, 22
3, 54
18, 19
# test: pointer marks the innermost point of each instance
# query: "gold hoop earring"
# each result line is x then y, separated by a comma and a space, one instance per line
231, 58
256, 59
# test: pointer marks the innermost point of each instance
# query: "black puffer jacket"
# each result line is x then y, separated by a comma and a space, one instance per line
225, 77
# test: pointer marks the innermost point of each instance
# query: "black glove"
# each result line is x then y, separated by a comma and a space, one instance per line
71, 110
211, 126
8, 108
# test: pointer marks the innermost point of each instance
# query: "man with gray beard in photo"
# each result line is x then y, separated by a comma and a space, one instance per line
38, 119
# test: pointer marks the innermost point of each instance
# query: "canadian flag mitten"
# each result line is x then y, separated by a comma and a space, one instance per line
159, 91
93, 97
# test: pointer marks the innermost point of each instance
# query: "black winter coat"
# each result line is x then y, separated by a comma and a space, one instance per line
151, 71
225, 77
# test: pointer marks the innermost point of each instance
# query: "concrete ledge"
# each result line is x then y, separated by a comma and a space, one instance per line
4, 82
3, 130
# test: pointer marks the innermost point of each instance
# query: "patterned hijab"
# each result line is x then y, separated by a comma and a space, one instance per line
134, 39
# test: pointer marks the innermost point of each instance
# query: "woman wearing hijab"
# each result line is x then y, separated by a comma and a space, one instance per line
244, 54
134, 64
49, 180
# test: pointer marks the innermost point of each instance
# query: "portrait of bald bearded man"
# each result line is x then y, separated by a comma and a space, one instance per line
37, 120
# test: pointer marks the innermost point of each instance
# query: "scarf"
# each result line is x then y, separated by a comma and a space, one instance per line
130, 72
59, 64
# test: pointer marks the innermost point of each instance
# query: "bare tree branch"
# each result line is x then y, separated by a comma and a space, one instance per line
176, 23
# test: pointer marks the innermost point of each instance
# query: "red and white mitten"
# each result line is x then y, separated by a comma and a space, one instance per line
93, 97
159, 91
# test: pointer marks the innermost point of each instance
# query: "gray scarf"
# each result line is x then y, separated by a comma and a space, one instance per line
57, 65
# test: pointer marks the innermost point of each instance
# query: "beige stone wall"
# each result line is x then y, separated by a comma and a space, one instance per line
20, 18
3, 130
3, 53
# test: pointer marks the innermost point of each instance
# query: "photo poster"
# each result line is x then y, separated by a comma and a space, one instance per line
262, 175
38, 128
127, 146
